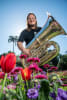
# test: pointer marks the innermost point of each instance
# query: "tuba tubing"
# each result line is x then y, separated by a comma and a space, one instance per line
39, 46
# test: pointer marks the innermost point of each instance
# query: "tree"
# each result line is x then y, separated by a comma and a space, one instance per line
63, 63
13, 39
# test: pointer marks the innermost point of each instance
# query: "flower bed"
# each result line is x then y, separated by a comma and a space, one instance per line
30, 82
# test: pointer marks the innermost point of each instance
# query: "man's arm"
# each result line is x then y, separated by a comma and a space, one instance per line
24, 50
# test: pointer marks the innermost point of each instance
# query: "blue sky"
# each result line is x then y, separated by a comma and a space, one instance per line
13, 15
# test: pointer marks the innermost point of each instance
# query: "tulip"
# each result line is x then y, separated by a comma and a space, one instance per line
1, 60
26, 73
8, 63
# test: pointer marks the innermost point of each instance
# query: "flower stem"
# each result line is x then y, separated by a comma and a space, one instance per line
3, 85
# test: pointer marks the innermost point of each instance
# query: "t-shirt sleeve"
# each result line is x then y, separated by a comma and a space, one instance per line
21, 37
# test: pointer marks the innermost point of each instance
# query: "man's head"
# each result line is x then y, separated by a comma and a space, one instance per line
31, 21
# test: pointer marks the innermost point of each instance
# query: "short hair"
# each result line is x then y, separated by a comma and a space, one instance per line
30, 14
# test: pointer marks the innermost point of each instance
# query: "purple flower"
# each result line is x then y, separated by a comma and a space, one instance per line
32, 93
38, 86
16, 77
62, 95
53, 95
43, 72
58, 98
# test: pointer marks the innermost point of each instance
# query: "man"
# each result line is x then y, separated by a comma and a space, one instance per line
28, 34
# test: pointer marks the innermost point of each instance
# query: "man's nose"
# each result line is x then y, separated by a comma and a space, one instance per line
31, 19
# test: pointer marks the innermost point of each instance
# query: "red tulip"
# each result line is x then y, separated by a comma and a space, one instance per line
9, 62
26, 73
1, 60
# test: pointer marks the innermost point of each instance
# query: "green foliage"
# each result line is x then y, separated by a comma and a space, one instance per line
44, 90
63, 63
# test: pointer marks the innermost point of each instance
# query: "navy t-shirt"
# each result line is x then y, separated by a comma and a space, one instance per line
27, 36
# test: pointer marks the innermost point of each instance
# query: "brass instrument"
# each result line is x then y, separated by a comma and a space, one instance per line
41, 42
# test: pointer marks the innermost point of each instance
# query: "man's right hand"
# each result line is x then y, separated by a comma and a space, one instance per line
26, 51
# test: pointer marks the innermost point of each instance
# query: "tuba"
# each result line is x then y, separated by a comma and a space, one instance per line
40, 44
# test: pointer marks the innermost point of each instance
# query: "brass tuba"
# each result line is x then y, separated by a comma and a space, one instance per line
39, 46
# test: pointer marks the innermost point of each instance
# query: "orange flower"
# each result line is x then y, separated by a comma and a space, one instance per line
8, 62
26, 73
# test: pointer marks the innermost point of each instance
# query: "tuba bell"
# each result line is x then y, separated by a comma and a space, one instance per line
40, 44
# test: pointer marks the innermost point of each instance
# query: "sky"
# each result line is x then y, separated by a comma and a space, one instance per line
13, 15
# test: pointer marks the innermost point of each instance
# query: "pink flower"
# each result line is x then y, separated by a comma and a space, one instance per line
2, 74
4, 89
41, 76
63, 79
53, 68
64, 85
23, 56
11, 86
36, 59
16, 70
39, 69
33, 59
46, 66
30, 59
65, 73
33, 66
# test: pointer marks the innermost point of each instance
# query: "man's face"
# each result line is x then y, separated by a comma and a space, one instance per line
31, 20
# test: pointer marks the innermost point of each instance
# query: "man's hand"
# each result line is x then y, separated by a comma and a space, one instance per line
26, 51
